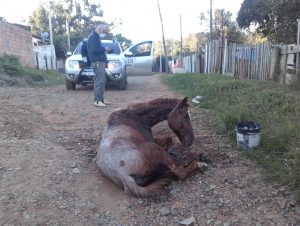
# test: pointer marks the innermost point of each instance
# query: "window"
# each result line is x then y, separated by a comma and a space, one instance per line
78, 48
114, 46
143, 49
115, 49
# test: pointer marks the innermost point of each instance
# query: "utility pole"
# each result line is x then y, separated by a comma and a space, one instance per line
68, 35
163, 38
181, 48
298, 55
51, 35
160, 60
210, 21
172, 51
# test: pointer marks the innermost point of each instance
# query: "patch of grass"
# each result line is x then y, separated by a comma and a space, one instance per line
11, 66
274, 106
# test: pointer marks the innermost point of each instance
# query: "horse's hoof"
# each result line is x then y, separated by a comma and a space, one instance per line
202, 166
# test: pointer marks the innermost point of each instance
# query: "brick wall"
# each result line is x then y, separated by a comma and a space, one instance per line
16, 41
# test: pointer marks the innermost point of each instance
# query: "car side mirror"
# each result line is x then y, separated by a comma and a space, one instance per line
128, 54
69, 53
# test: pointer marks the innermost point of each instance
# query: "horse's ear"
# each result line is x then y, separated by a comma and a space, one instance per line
183, 103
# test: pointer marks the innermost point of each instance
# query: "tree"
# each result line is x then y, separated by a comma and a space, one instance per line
81, 17
78, 15
191, 45
223, 26
124, 42
193, 42
276, 20
254, 38
39, 20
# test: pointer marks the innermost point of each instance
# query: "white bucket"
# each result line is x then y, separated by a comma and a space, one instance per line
248, 135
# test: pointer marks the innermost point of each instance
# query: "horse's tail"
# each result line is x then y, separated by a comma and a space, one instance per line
131, 186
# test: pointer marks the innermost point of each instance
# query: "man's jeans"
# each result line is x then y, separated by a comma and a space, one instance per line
100, 80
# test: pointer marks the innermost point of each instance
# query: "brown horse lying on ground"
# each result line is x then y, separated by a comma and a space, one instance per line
132, 158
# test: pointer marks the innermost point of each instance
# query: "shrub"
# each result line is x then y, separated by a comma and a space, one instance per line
11, 66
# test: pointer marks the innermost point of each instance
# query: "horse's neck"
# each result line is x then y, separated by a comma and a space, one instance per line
154, 111
143, 116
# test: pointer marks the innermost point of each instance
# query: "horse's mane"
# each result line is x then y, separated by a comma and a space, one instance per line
136, 110
143, 107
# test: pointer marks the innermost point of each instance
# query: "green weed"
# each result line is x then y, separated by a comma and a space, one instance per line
11, 66
274, 106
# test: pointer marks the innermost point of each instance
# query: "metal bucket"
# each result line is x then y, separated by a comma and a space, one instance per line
248, 135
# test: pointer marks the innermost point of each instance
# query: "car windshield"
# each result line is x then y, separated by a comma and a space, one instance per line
115, 49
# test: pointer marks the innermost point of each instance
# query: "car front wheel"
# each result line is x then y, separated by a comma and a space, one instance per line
122, 84
70, 85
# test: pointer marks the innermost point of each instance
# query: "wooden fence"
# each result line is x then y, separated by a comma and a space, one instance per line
264, 61
243, 61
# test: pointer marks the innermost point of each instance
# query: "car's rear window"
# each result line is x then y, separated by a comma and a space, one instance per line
115, 49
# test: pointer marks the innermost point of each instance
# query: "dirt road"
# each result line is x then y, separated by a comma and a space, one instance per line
48, 176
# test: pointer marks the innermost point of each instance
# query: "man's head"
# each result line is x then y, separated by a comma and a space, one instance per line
101, 28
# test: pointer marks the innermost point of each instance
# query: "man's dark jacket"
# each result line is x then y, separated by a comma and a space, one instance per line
95, 50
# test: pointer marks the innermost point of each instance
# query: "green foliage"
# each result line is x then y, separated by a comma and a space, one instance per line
82, 16
78, 15
275, 107
190, 44
124, 42
80, 23
60, 42
276, 20
11, 66
39, 20
223, 26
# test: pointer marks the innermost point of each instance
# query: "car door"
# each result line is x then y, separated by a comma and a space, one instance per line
139, 58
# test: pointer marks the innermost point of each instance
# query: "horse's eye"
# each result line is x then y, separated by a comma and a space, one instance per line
187, 116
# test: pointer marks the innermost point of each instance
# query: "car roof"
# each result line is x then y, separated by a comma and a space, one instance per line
105, 40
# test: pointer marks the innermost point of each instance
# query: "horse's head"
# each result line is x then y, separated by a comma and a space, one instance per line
179, 121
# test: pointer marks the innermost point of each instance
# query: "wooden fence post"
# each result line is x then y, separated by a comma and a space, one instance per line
37, 60
233, 59
46, 62
206, 59
225, 56
282, 64
51, 63
274, 67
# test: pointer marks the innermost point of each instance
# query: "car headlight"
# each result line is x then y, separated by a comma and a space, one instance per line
73, 64
114, 64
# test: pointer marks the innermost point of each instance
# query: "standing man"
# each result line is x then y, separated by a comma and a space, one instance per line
98, 58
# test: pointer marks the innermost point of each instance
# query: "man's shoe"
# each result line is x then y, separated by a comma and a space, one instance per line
99, 104
106, 102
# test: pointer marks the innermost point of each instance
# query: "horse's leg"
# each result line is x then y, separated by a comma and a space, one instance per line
164, 141
185, 155
180, 171
155, 154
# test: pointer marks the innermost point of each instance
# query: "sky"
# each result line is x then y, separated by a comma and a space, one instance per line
140, 18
